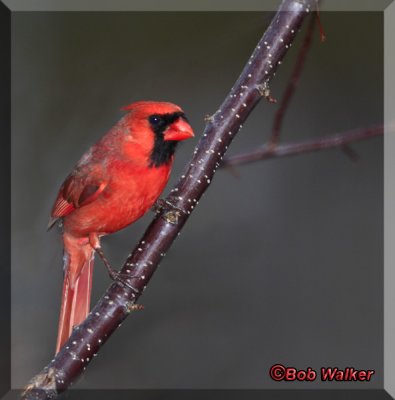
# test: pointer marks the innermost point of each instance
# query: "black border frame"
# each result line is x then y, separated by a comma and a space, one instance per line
5, 214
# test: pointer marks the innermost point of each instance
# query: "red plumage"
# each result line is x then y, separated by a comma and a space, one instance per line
115, 182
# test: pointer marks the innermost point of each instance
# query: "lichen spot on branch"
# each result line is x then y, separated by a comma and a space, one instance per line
43, 381
264, 91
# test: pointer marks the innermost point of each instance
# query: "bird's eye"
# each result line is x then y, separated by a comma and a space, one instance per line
155, 120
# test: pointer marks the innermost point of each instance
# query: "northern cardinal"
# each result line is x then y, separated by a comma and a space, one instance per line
115, 182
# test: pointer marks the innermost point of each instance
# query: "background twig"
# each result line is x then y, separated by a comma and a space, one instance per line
339, 140
292, 83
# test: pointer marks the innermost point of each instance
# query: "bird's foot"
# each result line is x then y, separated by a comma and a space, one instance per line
170, 212
115, 275
122, 279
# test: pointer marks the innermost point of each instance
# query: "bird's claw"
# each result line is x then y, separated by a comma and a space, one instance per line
115, 275
122, 279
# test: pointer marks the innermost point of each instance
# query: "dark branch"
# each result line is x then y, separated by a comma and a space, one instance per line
340, 141
117, 302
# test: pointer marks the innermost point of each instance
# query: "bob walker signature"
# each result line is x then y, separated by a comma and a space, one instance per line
279, 372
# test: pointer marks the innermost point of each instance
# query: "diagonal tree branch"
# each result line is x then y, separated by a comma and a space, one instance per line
307, 146
118, 301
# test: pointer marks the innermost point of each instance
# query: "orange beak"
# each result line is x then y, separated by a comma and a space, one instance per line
178, 130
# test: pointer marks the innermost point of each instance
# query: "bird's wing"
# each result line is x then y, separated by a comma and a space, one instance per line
79, 189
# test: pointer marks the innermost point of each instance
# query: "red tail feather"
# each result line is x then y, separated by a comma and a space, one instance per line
77, 287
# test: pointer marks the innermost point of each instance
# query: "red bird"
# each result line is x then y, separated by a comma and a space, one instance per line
115, 182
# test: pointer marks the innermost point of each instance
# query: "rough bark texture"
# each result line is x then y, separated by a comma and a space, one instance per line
117, 303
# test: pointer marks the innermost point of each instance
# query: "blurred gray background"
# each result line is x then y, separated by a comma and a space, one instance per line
282, 264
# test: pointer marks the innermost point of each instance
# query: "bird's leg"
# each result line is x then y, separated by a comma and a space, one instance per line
171, 213
113, 273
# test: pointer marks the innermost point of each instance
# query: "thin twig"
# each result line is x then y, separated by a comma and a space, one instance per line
307, 146
115, 305
292, 84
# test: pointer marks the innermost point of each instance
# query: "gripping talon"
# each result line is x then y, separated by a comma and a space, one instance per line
115, 275
122, 279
